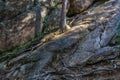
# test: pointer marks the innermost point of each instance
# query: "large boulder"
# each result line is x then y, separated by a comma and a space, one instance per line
77, 6
17, 31
12, 8
17, 21
15, 18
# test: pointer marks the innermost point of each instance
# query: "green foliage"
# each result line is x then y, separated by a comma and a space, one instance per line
118, 33
118, 28
117, 38
7, 54
45, 20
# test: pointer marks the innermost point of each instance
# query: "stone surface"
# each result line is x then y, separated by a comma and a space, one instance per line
17, 31
15, 7
106, 25
74, 54
18, 28
77, 6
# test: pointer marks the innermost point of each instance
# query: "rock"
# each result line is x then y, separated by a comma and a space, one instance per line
103, 54
73, 7
79, 59
45, 53
17, 31
18, 28
36, 60
106, 25
15, 7
17, 21
87, 42
77, 6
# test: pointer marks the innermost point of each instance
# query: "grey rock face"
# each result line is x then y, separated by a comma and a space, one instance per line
106, 25
86, 43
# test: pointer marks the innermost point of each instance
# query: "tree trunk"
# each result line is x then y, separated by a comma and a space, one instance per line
63, 15
38, 22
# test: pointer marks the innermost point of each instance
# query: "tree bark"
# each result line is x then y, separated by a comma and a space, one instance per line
38, 22
63, 15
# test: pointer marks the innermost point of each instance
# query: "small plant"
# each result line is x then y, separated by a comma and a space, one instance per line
118, 33
117, 39
7, 54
